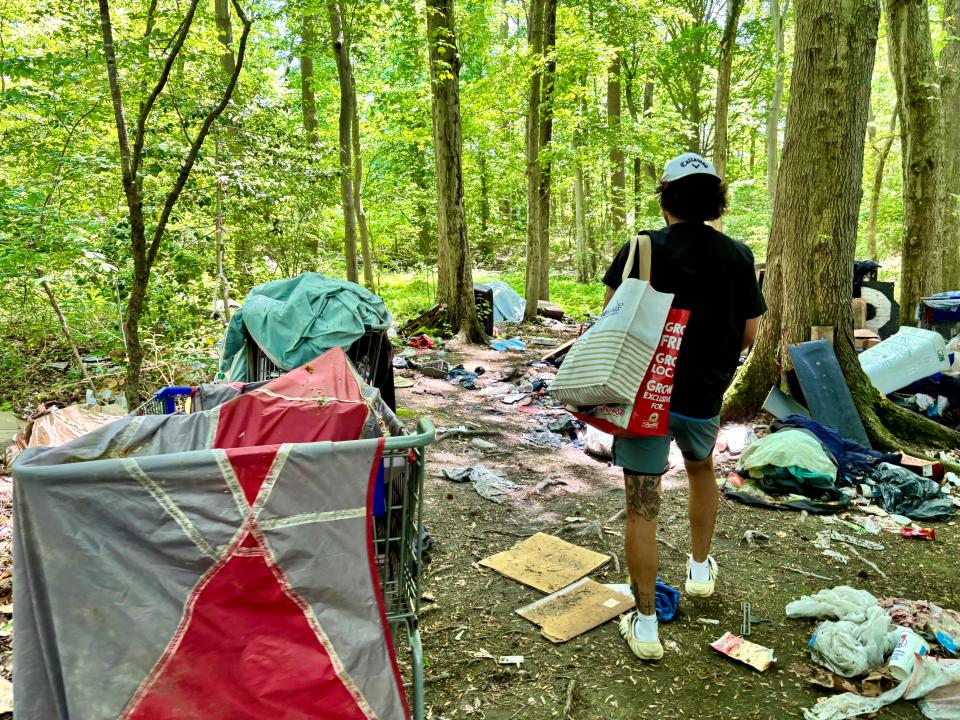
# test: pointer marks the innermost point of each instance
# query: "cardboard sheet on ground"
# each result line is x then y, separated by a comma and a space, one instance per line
545, 562
575, 609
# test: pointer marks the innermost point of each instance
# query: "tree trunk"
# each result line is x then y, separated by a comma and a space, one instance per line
424, 225
579, 195
648, 88
448, 157
911, 61
484, 193
777, 18
345, 124
950, 91
534, 168
728, 45
617, 177
366, 248
546, 137
308, 42
225, 35
878, 186
131, 157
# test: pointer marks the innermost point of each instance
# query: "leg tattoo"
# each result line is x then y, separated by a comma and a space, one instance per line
646, 602
643, 495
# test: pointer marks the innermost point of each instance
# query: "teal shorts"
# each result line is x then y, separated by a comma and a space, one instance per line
650, 455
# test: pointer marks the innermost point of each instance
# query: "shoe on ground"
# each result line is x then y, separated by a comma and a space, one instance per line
651, 650
702, 588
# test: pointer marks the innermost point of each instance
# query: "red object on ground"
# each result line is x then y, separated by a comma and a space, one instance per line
919, 533
735, 480
420, 342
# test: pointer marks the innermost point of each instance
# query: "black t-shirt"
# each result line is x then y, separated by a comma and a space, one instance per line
714, 278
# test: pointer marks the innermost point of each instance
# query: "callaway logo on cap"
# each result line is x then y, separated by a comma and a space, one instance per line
688, 164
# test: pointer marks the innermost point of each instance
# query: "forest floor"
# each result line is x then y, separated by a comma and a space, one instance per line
470, 613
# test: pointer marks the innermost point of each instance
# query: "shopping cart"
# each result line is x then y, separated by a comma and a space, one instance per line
398, 541
371, 354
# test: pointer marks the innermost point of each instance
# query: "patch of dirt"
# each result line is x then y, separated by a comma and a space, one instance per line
474, 607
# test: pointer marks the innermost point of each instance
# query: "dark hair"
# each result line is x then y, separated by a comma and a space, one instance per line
694, 198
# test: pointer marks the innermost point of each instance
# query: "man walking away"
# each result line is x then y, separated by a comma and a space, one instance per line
713, 277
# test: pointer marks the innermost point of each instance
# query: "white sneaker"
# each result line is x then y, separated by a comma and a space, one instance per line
702, 588
650, 650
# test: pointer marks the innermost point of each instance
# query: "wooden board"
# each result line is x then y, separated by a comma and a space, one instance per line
548, 309
545, 562
575, 609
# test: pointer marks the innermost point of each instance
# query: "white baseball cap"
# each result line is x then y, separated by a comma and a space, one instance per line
688, 164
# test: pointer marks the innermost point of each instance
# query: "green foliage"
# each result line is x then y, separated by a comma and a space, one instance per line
61, 203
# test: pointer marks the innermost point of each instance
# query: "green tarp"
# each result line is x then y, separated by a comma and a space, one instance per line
297, 319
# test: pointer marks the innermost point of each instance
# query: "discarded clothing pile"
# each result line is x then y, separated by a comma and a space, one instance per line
902, 492
937, 397
789, 469
853, 459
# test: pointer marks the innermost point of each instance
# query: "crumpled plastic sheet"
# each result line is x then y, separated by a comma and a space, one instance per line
486, 482
858, 641
926, 618
935, 683
905, 493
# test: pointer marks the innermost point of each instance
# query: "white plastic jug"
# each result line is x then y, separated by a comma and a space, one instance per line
910, 355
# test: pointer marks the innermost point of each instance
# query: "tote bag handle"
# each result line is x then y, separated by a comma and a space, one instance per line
642, 244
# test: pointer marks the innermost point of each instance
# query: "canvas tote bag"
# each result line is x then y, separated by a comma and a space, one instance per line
606, 366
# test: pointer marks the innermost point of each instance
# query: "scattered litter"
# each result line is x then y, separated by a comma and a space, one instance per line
466, 379
575, 609
511, 344
400, 382
868, 544
488, 484
481, 444
906, 493
708, 621
545, 562
667, 601
564, 424
838, 556
436, 369
749, 620
496, 390
544, 342
857, 640
756, 656
903, 659
510, 660
421, 342
755, 538
542, 438
918, 533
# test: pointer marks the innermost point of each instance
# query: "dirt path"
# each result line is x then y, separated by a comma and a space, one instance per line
473, 607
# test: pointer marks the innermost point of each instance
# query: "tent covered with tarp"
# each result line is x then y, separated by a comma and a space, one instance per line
218, 564
296, 319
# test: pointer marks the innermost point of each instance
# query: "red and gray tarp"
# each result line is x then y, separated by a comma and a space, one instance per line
216, 565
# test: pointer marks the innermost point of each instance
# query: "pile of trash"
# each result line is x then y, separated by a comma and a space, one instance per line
907, 643
805, 466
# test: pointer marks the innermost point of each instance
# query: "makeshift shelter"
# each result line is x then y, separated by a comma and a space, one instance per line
217, 564
294, 320
508, 306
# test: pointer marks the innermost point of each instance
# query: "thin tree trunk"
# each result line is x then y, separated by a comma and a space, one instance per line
366, 248
484, 193
617, 177
308, 40
131, 157
65, 328
911, 60
534, 167
546, 138
728, 46
448, 157
223, 287
637, 162
345, 124
648, 89
424, 228
777, 18
225, 35
878, 186
950, 91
